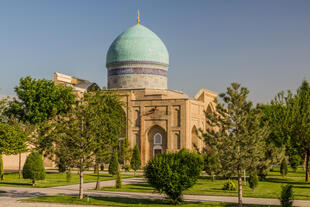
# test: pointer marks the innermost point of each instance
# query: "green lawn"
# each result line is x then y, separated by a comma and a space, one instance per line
270, 188
130, 202
53, 179
291, 173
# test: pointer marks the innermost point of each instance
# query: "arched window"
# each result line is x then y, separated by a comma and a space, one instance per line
157, 138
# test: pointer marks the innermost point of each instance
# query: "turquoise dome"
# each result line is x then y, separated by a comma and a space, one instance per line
138, 43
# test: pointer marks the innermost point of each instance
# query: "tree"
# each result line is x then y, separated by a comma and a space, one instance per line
299, 113
107, 126
1, 168
135, 161
38, 99
253, 180
287, 196
89, 131
118, 181
34, 168
283, 168
172, 173
212, 165
114, 165
236, 135
12, 140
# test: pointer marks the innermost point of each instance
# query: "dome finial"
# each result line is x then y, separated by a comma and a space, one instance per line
138, 17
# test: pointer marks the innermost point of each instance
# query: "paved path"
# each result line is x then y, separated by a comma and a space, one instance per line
14, 194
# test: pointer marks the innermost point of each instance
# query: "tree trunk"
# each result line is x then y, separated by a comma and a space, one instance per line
239, 188
307, 166
81, 193
20, 166
98, 180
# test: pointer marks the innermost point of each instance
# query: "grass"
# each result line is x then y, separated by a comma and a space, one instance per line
300, 173
130, 202
53, 179
270, 188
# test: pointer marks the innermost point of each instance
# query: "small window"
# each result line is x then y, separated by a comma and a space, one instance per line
157, 138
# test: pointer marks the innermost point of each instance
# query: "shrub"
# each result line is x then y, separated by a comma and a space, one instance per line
1, 168
135, 161
102, 167
61, 165
118, 182
295, 162
113, 166
229, 185
287, 196
253, 180
33, 168
172, 173
126, 168
283, 168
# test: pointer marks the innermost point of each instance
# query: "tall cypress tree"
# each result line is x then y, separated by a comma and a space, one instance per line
135, 161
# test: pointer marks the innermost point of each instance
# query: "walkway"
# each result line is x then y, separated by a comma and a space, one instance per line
14, 194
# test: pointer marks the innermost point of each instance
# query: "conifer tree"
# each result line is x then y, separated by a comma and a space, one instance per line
114, 165
283, 168
34, 168
135, 161
236, 134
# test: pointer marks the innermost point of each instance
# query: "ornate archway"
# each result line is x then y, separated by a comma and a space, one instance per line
156, 142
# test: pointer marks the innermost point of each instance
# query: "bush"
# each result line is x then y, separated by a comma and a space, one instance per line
287, 196
33, 168
229, 185
61, 165
283, 168
113, 166
295, 161
1, 168
126, 168
172, 173
253, 180
135, 161
102, 167
118, 182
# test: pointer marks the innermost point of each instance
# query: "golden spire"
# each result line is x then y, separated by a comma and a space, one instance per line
138, 17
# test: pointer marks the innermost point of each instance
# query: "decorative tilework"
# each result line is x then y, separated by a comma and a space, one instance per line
151, 71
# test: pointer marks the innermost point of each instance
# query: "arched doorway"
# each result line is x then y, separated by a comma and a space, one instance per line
195, 139
157, 141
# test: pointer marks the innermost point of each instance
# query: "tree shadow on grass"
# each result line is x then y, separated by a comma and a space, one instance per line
15, 184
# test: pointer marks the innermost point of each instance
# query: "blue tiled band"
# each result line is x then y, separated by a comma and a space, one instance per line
151, 71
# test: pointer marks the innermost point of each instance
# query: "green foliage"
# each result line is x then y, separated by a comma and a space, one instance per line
124, 151
12, 139
172, 173
102, 167
118, 182
88, 132
68, 175
283, 168
211, 165
1, 168
62, 165
287, 196
33, 168
135, 161
126, 168
236, 134
229, 185
39, 99
114, 165
253, 180
295, 161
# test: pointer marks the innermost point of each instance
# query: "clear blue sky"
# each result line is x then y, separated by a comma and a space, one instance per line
263, 44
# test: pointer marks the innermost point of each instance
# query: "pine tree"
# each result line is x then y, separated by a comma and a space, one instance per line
236, 133
135, 161
34, 168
